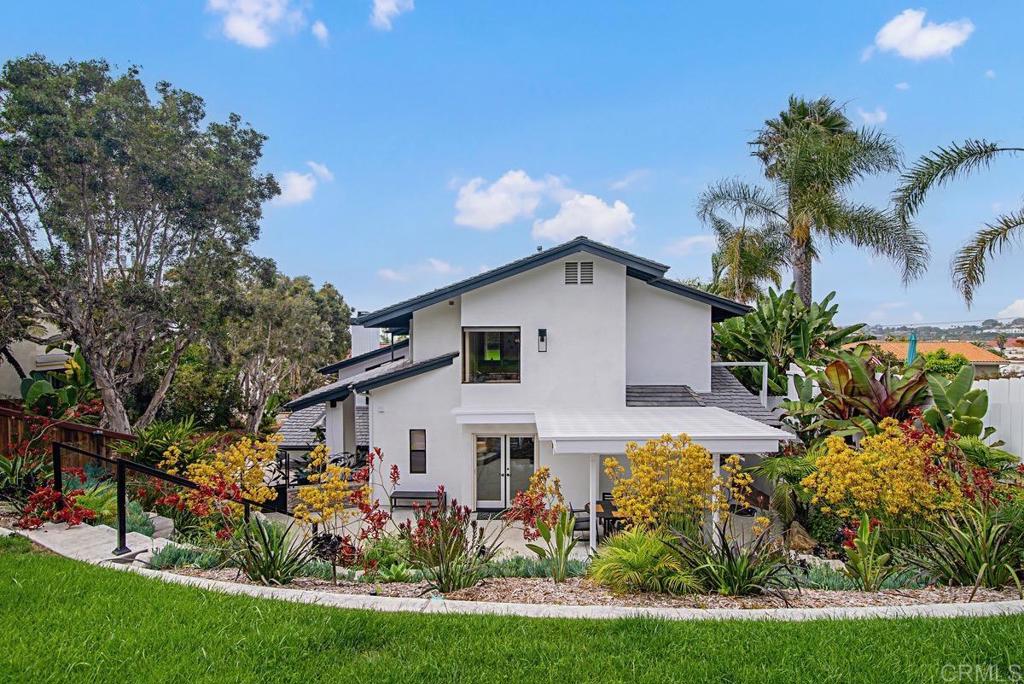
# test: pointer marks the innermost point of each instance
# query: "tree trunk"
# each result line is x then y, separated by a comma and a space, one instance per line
7, 354
157, 400
802, 261
115, 416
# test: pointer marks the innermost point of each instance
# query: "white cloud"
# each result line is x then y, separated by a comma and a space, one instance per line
439, 266
1014, 310
878, 116
630, 179
588, 215
907, 35
693, 243
296, 188
902, 85
321, 171
513, 196
990, 73
384, 11
320, 31
392, 275
256, 23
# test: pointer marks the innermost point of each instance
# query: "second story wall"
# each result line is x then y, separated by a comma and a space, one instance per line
668, 338
584, 365
436, 330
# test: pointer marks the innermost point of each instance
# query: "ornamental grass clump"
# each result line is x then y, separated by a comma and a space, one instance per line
638, 560
268, 553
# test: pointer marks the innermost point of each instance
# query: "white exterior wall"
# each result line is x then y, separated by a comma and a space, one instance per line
585, 364
436, 330
668, 338
423, 402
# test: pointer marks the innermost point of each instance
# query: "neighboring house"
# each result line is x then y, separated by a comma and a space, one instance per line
31, 357
558, 359
986, 364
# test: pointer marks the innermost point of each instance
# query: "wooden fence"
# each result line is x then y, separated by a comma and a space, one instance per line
1006, 411
14, 428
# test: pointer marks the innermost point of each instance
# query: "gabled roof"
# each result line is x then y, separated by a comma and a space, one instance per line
380, 353
397, 316
385, 374
299, 428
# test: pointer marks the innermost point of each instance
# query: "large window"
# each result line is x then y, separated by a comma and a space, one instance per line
417, 451
490, 355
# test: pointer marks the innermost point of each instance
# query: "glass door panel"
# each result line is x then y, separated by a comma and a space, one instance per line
490, 472
520, 465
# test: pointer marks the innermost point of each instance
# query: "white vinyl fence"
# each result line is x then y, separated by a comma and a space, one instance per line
1006, 411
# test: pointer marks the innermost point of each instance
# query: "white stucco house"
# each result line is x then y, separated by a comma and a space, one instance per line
557, 359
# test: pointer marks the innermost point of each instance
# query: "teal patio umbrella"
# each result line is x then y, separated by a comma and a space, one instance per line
912, 348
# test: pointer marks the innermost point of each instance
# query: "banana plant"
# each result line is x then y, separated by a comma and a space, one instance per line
958, 407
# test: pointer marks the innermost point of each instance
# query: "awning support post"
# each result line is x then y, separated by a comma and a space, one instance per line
594, 480
716, 472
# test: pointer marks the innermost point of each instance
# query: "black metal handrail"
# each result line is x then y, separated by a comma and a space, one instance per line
122, 465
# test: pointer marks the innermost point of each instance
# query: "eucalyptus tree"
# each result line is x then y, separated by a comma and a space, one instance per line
811, 155
128, 217
950, 163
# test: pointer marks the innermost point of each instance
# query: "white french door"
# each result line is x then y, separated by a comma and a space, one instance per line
504, 464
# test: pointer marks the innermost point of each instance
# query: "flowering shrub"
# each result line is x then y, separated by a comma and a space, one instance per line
541, 502
900, 473
447, 545
329, 496
669, 476
47, 504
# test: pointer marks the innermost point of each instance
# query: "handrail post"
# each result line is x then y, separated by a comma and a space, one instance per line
58, 480
245, 511
122, 524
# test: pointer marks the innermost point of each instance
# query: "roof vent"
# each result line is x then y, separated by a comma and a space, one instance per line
572, 273
586, 273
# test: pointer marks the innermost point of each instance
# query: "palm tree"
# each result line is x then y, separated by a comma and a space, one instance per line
811, 155
747, 258
949, 163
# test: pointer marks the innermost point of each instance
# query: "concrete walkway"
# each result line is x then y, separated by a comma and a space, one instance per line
93, 545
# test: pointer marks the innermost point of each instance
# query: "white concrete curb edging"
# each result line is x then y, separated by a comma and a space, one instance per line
426, 605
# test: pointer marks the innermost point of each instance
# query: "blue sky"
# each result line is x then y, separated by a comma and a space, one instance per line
419, 144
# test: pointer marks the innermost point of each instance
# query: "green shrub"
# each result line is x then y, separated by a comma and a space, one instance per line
153, 440
386, 551
558, 544
733, 568
825, 529
867, 565
636, 561
523, 566
177, 556
971, 547
136, 520
828, 578
268, 554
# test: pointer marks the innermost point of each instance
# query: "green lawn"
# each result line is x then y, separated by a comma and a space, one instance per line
64, 621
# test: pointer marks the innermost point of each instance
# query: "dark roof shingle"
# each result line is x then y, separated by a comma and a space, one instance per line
726, 392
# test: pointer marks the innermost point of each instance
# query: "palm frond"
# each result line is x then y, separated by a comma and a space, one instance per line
733, 196
941, 166
969, 263
883, 233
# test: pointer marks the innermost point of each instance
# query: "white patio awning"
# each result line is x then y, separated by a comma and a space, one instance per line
608, 431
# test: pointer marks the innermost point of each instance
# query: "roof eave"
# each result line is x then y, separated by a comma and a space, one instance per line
398, 315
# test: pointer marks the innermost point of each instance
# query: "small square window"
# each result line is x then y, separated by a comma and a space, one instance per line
417, 451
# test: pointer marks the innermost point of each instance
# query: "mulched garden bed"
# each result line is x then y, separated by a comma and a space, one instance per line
583, 592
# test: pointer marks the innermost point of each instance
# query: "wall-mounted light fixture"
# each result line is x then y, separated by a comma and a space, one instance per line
542, 339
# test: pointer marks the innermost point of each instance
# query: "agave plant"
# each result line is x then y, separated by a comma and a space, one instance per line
857, 391
782, 330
